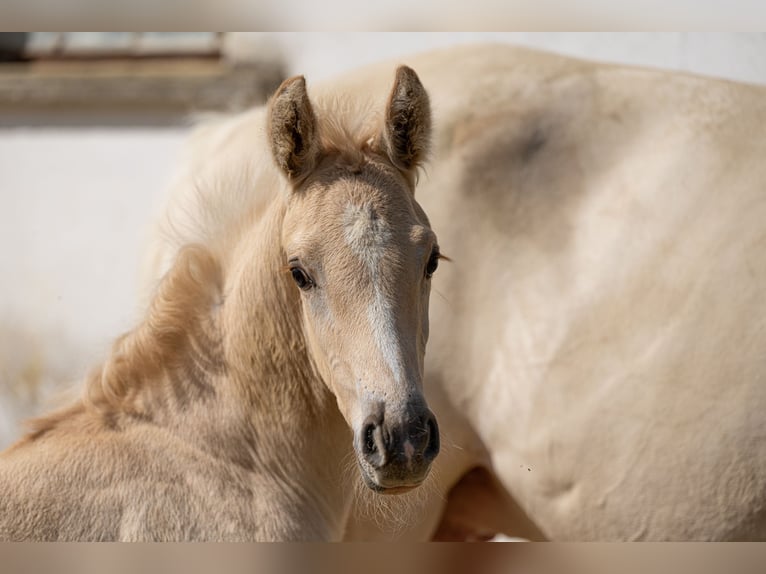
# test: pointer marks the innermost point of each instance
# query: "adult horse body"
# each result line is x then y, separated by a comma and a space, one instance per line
595, 358
277, 326
601, 332
596, 354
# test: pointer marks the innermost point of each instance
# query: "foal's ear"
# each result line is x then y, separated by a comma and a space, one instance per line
407, 129
292, 129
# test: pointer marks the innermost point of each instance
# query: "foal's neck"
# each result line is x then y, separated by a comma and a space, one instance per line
298, 432
221, 363
263, 340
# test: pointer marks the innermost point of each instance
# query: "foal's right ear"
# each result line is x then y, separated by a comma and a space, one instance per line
407, 127
292, 129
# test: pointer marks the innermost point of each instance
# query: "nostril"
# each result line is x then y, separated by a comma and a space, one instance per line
433, 438
369, 439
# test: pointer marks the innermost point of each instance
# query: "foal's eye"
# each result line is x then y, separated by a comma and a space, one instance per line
302, 280
433, 263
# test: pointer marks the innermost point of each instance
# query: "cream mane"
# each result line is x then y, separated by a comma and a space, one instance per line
177, 325
347, 127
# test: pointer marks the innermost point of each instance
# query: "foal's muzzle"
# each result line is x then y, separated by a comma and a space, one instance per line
396, 456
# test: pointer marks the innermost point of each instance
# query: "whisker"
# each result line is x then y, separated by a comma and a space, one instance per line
440, 294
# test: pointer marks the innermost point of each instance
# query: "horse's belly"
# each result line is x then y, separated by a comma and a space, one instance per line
585, 480
648, 429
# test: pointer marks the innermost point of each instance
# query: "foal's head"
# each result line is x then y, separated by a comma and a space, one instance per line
361, 254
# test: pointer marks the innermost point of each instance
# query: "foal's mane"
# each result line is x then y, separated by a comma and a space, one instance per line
207, 212
178, 318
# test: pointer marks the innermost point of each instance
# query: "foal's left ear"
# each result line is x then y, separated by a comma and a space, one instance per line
292, 129
407, 129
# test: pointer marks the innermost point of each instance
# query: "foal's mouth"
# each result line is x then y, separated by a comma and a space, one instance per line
397, 489
392, 489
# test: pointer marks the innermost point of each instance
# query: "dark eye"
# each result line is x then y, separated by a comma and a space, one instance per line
433, 264
302, 280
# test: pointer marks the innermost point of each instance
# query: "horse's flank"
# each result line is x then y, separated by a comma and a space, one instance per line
606, 226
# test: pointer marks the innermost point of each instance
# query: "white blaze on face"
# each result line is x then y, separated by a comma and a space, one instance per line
381, 319
367, 235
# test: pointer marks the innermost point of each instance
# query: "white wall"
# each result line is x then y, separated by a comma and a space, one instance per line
74, 201
73, 204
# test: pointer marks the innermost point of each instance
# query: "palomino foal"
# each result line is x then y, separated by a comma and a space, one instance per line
225, 414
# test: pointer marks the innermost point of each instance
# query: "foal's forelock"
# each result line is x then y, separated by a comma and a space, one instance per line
348, 127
